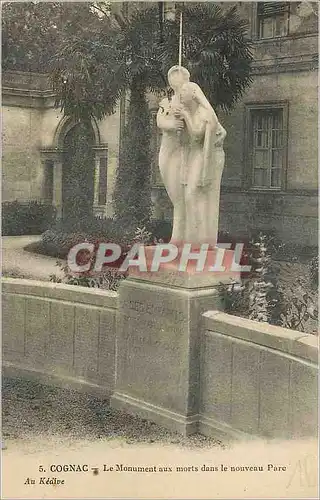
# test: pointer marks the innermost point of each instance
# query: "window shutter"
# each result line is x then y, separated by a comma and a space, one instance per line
269, 9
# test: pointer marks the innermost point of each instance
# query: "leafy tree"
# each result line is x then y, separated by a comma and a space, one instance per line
33, 32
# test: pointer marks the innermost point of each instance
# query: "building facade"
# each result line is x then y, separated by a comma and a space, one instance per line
35, 146
270, 177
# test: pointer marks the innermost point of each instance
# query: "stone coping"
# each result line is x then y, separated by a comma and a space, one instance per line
25, 79
292, 342
59, 291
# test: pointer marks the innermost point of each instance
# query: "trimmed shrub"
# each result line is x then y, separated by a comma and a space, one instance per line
20, 218
132, 193
57, 241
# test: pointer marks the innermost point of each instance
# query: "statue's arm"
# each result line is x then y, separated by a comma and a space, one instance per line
198, 128
165, 121
220, 135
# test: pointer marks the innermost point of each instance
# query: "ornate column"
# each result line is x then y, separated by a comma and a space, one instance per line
57, 187
56, 156
99, 206
96, 181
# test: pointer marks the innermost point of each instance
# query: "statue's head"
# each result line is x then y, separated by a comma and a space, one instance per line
192, 95
189, 92
177, 76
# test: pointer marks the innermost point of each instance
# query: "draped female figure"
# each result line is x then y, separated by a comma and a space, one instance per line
174, 150
202, 169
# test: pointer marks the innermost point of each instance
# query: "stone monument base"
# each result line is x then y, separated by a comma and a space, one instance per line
192, 273
158, 344
176, 422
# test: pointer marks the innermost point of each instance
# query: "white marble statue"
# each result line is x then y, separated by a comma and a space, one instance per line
173, 147
191, 160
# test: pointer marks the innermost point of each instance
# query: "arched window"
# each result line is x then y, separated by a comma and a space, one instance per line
75, 169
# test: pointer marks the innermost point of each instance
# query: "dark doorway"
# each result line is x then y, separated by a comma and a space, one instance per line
78, 174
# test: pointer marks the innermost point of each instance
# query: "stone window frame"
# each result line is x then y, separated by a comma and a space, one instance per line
256, 17
248, 152
101, 153
55, 152
48, 177
55, 155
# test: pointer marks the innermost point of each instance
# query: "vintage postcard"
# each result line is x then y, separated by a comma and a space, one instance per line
160, 250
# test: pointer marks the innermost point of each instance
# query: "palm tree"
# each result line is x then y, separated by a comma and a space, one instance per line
92, 71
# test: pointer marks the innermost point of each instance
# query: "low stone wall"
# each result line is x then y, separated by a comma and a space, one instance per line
257, 379
59, 333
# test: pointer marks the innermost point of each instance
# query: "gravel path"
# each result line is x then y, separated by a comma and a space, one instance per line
48, 426
32, 410
16, 262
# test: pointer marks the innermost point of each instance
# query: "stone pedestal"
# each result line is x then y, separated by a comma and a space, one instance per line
158, 345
